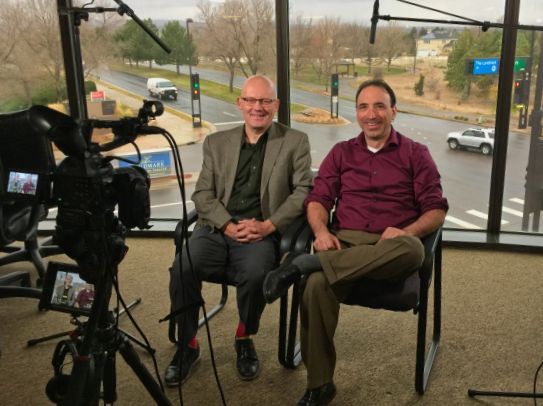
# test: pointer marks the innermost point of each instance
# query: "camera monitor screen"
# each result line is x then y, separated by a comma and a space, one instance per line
22, 185
21, 182
65, 291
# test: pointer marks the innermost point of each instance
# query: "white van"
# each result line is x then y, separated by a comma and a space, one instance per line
161, 88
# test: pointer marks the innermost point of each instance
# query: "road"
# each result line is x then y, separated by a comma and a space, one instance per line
465, 174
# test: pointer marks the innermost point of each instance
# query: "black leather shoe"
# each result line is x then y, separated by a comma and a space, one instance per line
277, 282
247, 364
191, 356
319, 396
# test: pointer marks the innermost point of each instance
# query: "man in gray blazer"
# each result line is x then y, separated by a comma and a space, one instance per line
252, 185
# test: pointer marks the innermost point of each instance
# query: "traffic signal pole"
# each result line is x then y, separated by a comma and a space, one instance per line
195, 100
334, 95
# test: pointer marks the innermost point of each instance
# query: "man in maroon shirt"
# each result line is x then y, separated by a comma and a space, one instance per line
387, 194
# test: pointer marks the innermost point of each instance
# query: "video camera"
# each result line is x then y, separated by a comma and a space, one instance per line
85, 186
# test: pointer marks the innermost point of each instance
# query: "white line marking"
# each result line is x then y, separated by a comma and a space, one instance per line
516, 200
484, 216
462, 223
229, 114
512, 211
170, 204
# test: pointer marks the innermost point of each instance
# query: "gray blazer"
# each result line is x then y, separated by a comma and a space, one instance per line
286, 176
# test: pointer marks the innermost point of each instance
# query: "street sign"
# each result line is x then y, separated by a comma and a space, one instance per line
520, 64
491, 66
98, 95
486, 66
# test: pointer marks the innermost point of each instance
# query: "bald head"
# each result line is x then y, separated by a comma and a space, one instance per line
262, 82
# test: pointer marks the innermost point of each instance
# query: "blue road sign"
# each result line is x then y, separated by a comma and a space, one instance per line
486, 66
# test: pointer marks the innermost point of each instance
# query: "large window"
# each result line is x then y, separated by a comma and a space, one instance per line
446, 80
446, 77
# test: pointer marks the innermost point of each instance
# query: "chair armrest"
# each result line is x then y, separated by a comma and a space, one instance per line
431, 243
290, 237
305, 239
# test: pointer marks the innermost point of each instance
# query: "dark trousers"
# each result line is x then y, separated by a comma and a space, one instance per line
363, 255
217, 258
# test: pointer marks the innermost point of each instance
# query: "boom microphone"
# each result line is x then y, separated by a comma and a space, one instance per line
374, 21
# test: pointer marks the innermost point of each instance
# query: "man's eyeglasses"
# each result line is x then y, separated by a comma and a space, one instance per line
252, 101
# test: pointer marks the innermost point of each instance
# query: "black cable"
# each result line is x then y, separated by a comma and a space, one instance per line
184, 237
535, 382
115, 282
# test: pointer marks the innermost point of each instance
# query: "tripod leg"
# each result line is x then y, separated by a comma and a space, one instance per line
109, 379
475, 392
133, 360
143, 345
129, 306
35, 341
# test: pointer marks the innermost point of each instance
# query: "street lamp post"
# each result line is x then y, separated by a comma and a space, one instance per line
188, 21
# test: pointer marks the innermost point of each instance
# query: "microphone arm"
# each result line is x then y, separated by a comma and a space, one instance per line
374, 21
485, 25
124, 9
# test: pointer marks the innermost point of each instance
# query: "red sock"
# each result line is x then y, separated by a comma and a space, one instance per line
240, 332
193, 343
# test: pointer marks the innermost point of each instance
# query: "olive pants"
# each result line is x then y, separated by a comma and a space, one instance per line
362, 255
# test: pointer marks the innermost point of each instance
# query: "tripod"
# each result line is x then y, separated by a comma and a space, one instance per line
96, 343
32, 342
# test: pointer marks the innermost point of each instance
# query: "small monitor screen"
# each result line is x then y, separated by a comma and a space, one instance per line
22, 183
64, 290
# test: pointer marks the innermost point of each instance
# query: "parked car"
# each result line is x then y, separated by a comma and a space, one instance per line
161, 88
481, 139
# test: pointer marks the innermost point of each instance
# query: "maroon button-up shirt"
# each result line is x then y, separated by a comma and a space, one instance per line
373, 191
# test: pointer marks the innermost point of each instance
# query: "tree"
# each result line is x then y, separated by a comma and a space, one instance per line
392, 43
369, 51
456, 63
216, 39
300, 43
125, 39
175, 36
136, 45
15, 75
354, 35
419, 86
240, 33
326, 47
97, 44
254, 31
413, 38
41, 37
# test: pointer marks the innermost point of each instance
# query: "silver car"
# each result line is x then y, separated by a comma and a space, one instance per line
481, 139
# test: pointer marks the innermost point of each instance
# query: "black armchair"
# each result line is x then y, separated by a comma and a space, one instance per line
288, 239
410, 294
24, 148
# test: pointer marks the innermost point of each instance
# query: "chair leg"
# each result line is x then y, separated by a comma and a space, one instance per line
32, 252
217, 308
425, 361
289, 350
172, 326
17, 284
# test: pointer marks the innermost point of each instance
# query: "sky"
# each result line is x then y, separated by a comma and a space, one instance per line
357, 10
